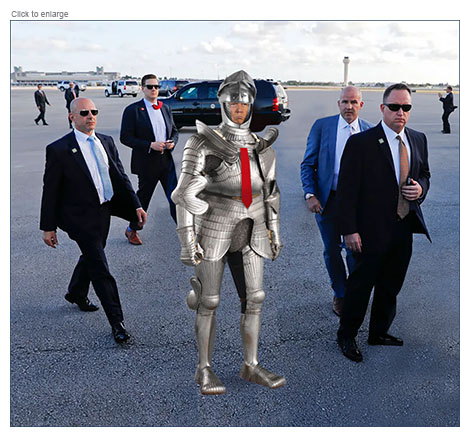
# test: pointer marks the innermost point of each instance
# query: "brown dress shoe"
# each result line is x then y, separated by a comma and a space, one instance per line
337, 305
133, 238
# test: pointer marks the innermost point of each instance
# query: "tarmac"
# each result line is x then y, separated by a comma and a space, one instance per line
67, 371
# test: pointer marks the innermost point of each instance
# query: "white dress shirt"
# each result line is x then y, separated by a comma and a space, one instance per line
344, 131
394, 146
157, 121
90, 160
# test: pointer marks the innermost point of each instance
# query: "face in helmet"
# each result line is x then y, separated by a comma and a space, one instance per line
236, 96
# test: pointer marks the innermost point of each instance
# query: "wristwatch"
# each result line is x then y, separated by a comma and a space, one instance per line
308, 196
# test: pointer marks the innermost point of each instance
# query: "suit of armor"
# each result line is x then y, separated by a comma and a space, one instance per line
217, 225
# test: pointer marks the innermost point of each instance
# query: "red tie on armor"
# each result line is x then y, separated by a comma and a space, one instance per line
246, 190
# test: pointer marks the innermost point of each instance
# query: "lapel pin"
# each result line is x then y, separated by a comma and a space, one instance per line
381, 140
142, 109
74, 150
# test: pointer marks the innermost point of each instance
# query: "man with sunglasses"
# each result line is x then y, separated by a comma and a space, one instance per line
148, 128
383, 179
83, 185
319, 172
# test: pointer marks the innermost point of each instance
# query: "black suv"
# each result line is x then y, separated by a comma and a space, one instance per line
198, 101
170, 86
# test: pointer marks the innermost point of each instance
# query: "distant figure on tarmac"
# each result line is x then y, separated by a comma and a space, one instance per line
383, 179
319, 172
148, 128
41, 101
70, 94
84, 184
448, 107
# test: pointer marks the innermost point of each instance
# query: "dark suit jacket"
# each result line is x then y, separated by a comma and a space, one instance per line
68, 96
40, 99
70, 199
137, 133
448, 102
367, 190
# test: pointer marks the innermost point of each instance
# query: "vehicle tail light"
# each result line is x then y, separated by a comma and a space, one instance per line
276, 105
124, 87
175, 88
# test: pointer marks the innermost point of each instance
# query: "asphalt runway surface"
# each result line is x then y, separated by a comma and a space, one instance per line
66, 369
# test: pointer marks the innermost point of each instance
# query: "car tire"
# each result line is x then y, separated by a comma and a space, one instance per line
107, 93
62, 88
134, 95
120, 94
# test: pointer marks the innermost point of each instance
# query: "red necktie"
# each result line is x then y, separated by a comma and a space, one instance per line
246, 190
158, 106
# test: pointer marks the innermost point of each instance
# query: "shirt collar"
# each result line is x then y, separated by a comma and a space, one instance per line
81, 136
148, 104
343, 123
391, 134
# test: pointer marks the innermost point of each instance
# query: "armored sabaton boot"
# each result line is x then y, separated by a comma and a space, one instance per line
251, 370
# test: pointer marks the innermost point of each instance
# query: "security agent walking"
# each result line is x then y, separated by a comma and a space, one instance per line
70, 94
319, 173
148, 128
41, 101
448, 107
384, 178
83, 185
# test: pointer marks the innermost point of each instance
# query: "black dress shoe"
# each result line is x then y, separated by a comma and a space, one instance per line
83, 303
36, 122
350, 349
384, 340
120, 334
45, 124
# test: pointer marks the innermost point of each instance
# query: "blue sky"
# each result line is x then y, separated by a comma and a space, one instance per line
413, 51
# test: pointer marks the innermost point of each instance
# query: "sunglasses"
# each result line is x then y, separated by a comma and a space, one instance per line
395, 107
86, 112
157, 87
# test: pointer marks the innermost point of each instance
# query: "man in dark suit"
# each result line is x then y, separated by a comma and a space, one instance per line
41, 101
319, 173
83, 185
384, 177
148, 128
448, 107
70, 94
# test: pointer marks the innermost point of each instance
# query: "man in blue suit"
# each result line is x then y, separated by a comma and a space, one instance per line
319, 174
148, 128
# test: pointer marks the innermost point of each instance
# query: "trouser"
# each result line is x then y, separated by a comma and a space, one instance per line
93, 267
210, 273
385, 272
41, 116
328, 223
147, 183
68, 118
445, 121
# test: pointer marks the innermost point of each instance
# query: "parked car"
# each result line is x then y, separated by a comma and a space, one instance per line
122, 88
170, 86
64, 84
198, 101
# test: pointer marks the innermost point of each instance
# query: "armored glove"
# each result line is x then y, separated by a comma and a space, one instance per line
191, 252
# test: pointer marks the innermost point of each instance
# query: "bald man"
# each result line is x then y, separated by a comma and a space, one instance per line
319, 173
83, 186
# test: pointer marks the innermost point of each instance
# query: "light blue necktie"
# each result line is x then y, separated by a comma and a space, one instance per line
103, 170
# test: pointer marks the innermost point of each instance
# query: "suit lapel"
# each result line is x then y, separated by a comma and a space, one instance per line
332, 140
385, 147
412, 150
145, 116
75, 151
166, 120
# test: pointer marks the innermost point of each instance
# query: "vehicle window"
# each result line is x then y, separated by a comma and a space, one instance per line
121, 82
212, 92
189, 93
131, 82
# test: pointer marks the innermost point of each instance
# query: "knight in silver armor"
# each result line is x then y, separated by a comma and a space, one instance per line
220, 219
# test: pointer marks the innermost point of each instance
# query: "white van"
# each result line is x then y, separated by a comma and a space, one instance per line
122, 88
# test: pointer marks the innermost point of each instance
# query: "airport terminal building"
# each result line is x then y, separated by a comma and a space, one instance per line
33, 78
